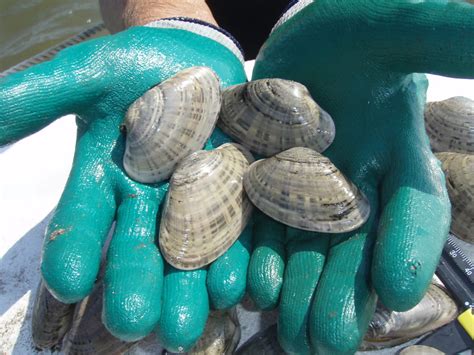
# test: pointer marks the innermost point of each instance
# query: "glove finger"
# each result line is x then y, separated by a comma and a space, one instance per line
447, 29
267, 263
185, 308
134, 270
413, 229
303, 269
227, 276
76, 234
33, 98
344, 301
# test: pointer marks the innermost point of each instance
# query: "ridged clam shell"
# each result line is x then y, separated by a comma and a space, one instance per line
303, 189
221, 335
459, 171
51, 319
206, 208
388, 328
268, 116
450, 125
169, 122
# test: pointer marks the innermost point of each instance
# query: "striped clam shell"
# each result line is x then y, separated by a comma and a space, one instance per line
303, 189
450, 125
169, 122
268, 116
206, 208
459, 171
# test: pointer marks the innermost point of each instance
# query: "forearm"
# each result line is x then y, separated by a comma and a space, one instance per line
121, 14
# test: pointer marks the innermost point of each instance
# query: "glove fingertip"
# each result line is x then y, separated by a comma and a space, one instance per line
412, 231
185, 309
129, 325
265, 278
227, 276
64, 285
226, 289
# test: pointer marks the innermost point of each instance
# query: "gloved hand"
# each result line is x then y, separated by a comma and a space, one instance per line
357, 58
98, 80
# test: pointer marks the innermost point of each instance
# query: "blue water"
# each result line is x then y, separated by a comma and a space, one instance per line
29, 26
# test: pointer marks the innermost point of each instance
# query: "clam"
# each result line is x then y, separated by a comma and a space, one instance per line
221, 335
459, 171
51, 319
388, 328
206, 208
169, 122
450, 125
303, 189
268, 116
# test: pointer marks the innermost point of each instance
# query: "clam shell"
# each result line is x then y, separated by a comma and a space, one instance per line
268, 116
206, 208
450, 125
169, 122
420, 350
221, 335
51, 319
388, 328
459, 171
303, 189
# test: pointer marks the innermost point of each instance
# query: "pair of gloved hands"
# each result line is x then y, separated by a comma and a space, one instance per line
356, 57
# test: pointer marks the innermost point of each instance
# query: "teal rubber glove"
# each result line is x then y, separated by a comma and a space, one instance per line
357, 58
98, 80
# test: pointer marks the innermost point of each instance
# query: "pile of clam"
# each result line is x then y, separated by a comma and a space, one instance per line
211, 193
450, 127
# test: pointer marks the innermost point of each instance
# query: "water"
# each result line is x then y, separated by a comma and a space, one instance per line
29, 26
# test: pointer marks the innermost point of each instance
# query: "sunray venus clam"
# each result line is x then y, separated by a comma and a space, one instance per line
206, 208
169, 122
303, 189
268, 116
450, 125
459, 171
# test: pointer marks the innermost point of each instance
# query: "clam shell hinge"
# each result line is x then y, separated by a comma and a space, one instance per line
169, 122
268, 116
303, 189
206, 208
